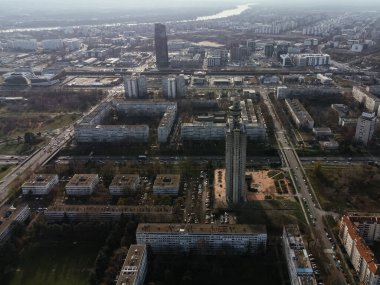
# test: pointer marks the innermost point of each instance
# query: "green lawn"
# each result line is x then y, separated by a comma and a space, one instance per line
60, 264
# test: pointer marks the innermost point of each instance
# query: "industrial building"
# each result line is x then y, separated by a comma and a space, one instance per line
166, 184
355, 233
297, 258
40, 184
123, 184
134, 267
82, 184
203, 238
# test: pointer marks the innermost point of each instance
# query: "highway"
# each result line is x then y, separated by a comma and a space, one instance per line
310, 206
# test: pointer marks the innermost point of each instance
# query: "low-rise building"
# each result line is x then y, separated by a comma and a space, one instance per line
135, 266
39, 184
299, 114
123, 184
354, 233
9, 215
82, 184
166, 184
203, 238
297, 258
322, 133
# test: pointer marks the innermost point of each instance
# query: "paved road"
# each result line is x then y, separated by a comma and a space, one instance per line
310, 206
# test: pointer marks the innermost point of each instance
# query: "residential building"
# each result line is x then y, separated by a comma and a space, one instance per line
123, 184
324, 79
209, 239
166, 184
135, 86
134, 267
370, 101
311, 59
236, 145
9, 215
40, 184
83, 213
82, 184
52, 45
297, 258
166, 124
299, 115
355, 233
269, 50
161, 46
174, 86
365, 128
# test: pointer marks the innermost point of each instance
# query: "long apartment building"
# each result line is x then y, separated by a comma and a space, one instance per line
299, 115
355, 233
134, 267
40, 184
203, 238
59, 213
166, 124
8, 215
297, 259
82, 184
370, 101
311, 59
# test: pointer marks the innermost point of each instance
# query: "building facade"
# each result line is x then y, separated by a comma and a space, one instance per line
362, 95
236, 145
123, 184
135, 87
166, 184
365, 128
40, 184
299, 115
203, 238
161, 46
82, 184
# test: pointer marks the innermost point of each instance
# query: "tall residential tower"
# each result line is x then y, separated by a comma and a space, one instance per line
236, 146
161, 44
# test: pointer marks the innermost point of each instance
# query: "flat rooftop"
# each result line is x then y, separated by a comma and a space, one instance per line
124, 180
132, 265
203, 228
39, 180
82, 180
167, 180
98, 209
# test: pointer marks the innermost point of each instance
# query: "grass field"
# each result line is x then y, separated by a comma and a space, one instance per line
59, 264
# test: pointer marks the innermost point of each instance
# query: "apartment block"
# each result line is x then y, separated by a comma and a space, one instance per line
8, 215
82, 184
297, 259
311, 59
39, 184
166, 184
123, 184
370, 101
299, 114
134, 267
203, 238
365, 128
355, 233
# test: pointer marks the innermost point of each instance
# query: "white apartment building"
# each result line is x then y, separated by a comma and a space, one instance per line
297, 259
166, 124
166, 184
362, 258
311, 59
134, 267
174, 86
27, 45
203, 131
135, 86
123, 184
365, 128
299, 114
203, 238
72, 44
39, 184
370, 101
82, 184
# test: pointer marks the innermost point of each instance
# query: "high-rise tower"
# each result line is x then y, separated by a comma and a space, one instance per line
161, 44
236, 146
